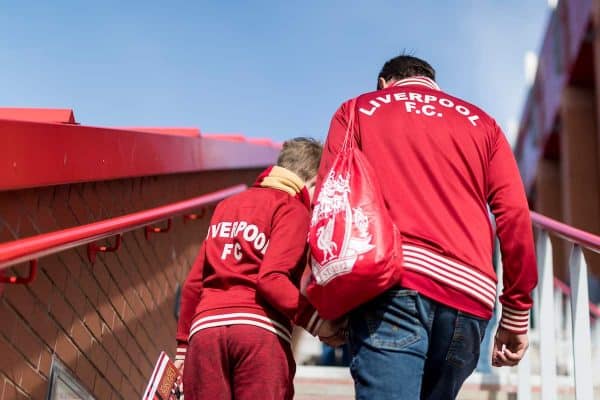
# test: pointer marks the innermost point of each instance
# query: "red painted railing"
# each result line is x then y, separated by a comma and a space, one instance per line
32, 248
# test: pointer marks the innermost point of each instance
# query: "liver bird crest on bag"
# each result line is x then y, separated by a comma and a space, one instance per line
338, 260
354, 243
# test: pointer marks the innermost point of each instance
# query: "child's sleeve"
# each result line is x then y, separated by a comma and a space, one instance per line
190, 296
287, 246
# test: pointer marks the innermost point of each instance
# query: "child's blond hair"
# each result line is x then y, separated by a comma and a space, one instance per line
302, 156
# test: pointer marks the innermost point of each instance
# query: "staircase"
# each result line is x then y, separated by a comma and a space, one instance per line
323, 383
335, 383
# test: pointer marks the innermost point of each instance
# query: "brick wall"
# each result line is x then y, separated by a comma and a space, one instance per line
106, 322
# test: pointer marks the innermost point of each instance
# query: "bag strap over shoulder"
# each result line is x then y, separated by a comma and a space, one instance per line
350, 130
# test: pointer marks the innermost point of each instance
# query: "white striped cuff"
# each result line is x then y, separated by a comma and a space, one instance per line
314, 324
514, 320
180, 354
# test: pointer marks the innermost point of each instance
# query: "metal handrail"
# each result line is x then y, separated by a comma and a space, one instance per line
582, 238
34, 247
578, 314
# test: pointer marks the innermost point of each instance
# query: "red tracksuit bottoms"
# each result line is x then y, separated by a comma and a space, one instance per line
238, 362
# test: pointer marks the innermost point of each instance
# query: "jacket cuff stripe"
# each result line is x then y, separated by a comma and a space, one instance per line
311, 326
181, 352
514, 320
318, 324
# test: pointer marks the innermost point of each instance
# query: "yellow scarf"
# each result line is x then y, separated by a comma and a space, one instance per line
283, 179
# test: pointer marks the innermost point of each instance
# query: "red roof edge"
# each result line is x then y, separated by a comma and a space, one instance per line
236, 137
231, 137
261, 141
52, 115
191, 132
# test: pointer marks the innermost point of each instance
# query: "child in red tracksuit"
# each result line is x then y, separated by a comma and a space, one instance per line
241, 297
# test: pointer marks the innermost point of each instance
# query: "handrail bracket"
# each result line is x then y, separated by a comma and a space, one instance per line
93, 248
14, 279
153, 229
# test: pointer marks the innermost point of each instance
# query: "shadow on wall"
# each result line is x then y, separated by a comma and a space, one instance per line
107, 322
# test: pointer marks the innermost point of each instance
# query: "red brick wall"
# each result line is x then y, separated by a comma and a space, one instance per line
106, 322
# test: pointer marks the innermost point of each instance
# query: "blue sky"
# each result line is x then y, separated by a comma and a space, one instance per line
273, 69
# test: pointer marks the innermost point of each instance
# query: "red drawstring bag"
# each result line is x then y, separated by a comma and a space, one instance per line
355, 246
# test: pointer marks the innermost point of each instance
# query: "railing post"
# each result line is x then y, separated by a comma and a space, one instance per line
580, 311
524, 367
524, 377
559, 318
535, 316
547, 325
568, 343
596, 346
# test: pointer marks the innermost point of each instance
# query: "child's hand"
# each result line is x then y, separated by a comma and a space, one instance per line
334, 333
179, 364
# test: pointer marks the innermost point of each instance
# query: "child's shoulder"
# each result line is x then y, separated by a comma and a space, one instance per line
269, 200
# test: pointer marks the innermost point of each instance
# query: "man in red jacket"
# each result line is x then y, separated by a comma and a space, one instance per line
440, 161
241, 297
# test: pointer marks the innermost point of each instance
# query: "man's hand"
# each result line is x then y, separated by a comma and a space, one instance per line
334, 333
509, 348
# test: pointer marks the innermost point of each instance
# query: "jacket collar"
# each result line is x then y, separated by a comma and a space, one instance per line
418, 81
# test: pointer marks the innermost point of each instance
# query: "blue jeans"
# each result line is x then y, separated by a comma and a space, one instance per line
406, 346
484, 365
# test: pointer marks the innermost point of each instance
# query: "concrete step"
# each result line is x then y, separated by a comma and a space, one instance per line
326, 383
335, 383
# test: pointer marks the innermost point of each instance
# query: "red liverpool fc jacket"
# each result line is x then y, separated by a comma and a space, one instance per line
249, 266
441, 161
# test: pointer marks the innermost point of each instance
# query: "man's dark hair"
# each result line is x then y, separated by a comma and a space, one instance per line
405, 66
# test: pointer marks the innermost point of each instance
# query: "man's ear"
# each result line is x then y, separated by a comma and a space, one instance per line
383, 84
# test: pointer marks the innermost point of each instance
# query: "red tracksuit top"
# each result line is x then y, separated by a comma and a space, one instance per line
249, 266
440, 161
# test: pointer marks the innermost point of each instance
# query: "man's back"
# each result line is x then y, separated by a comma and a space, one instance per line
440, 161
432, 163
